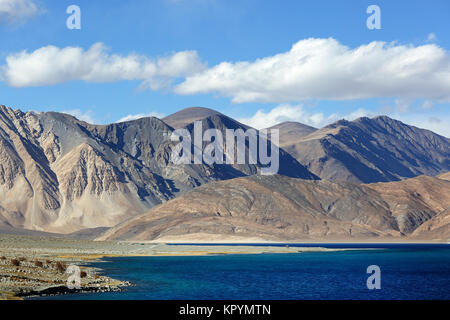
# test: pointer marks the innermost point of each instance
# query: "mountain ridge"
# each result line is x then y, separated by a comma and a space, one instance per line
367, 150
298, 210
60, 174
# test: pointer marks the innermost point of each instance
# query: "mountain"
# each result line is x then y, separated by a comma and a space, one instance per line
186, 116
280, 208
288, 165
60, 174
372, 150
445, 176
415, 201
436, 228
291, 132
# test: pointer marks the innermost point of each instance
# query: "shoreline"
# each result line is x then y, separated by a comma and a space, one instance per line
301, 242
29, 264
39, 271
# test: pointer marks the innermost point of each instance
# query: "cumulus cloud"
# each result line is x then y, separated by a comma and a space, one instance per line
141, 115
12, 11
327, 69
51, 65
415, 117
80, 115
285, 112
265, 119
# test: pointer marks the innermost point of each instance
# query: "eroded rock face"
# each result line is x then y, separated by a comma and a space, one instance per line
414, 201
371, 150
282, 208
59, 174
437, 228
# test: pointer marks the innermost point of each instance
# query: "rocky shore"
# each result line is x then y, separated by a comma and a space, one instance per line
31, 266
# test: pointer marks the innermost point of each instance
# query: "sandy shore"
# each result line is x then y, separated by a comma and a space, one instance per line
37, 265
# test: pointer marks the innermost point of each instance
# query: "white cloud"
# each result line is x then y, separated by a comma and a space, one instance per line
431, 37
402, 105
51, 65
141, 115
407, 106
282, 113
12, 11
262, 119
427, 104
438, 125
359, 113
326, 69
297, 113
80, 115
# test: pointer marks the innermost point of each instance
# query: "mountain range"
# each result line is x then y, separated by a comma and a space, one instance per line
351, 179
59, 174
279, 208
367, 150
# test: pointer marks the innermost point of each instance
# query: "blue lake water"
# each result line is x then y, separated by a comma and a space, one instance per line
407, 272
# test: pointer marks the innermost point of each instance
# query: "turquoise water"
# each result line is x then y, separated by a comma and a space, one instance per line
407, 272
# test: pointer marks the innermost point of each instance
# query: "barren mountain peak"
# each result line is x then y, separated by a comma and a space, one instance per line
291, 132
184, 117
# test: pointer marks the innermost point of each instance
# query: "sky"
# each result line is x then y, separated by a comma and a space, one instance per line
259, 61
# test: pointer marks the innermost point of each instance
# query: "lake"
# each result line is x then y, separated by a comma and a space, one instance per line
408, 271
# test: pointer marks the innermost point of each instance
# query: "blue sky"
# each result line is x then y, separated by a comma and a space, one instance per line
258, 61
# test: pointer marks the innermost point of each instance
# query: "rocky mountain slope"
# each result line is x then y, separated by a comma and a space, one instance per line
59, 174
62, 175
287, 209
371, 150
291, 132
288, 165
